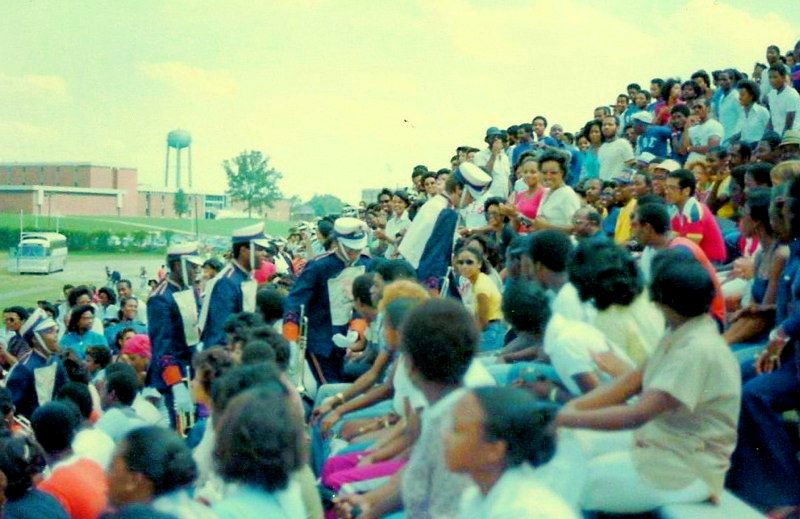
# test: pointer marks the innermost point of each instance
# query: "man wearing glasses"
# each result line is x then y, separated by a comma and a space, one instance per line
13, 317
703, 133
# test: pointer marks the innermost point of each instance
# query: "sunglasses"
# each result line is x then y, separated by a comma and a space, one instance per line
466, 262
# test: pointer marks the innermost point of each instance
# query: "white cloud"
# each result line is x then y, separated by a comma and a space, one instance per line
189, 80
35, 85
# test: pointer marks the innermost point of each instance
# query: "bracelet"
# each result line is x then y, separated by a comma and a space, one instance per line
778, 335
553, 396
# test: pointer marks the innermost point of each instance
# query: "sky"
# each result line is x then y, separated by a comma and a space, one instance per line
342, 95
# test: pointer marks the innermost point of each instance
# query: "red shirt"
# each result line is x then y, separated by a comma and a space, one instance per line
696, 219
528, 204
718, 303
80, 487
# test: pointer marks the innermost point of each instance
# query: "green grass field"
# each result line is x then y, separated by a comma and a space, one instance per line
82, 268
125, 225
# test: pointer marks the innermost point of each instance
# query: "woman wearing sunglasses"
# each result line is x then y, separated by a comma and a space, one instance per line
481, 295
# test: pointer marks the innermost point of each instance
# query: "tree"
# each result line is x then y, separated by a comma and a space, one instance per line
326, 204
252, 181
180, 203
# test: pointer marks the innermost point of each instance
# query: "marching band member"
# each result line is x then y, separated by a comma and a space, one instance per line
325, 289
428, 244
172, 317
233, 290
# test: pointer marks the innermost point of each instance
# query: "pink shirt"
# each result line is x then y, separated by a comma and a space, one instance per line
528, 204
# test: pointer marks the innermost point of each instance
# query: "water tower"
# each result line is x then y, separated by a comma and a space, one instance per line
178, 140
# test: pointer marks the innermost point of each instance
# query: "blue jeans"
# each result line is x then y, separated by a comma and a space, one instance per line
493, 336
764, 468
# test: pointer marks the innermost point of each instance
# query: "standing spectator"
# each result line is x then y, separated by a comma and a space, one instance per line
615, 153
730, 109
16, 346
702, 133
693, 219
754, 118
593, 134
655, 93
79, 334
671, 94
397, 224
773, 58
493, 161
124, 289
783, 100
524, 144
703, 82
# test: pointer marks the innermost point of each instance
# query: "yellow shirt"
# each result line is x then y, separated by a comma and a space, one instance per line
622, 232
484, 285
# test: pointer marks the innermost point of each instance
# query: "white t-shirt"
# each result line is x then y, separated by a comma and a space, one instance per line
520, 492
569, 344
567, 303
613, 156
559, 205
699, 135
788, 100
477, 375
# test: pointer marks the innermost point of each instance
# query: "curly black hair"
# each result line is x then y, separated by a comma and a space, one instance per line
260, 440
441, 353
210, 364
606, 274
526, 307
161, 456
514, 416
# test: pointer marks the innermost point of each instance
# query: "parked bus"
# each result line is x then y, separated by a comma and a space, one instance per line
41, 253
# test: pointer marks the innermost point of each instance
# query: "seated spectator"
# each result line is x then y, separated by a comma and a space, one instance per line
439, 357
78, 483
560, 202
482, 298
624, 197
608, 277
754, 117
259, 447
15, 346
96, 360
684, 419
693, 219
765, 467
586, 225
749, 325
21, 463
153, 466
702, 132
116, 398
499, 437
719, 197
702, 178
209, 365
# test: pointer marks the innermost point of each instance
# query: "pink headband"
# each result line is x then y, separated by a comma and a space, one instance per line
138, 345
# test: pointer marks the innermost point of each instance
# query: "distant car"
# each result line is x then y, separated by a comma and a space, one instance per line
114, 241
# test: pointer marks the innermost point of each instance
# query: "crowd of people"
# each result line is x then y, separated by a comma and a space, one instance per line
605, 321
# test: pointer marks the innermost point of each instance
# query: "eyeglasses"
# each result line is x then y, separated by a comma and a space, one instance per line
465, 262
